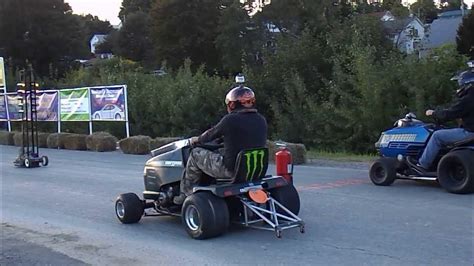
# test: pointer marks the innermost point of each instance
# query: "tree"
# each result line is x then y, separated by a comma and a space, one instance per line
465, 37
425, 10
238, 38
133, 40
186, 29
93, 25
131, 6
43, 32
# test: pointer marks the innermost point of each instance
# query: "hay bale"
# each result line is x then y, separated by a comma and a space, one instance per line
6, 138
297, 150
18, 139
101, 141
158, 142
56, 140
135, 145
43, 139
75, 142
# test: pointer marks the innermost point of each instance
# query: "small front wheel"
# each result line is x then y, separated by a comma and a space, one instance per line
383, 171
129, 208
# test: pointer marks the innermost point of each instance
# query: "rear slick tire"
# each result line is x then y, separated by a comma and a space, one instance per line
205, 215
288, 197
456, 172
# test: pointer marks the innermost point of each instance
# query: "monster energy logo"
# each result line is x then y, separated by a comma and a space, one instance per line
252, 167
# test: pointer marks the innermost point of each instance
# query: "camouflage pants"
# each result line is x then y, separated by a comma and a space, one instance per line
203, 161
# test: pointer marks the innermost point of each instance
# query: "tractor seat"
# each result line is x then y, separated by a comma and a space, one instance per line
464, 142
251, 165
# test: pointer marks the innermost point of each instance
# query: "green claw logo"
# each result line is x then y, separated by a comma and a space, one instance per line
255, 156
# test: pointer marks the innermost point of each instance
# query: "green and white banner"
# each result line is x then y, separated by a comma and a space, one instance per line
75, 105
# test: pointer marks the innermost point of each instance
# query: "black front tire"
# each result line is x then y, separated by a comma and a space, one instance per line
44, 160
288, 197
129, 208
205, 215
456, 172
27, 163
383, 171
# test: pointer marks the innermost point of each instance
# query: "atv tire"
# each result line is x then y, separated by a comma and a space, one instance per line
383, 171
288, 197
456, 172
204, 215
129, 208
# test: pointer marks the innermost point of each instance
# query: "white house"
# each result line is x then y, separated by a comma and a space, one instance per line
405, 33
96, 40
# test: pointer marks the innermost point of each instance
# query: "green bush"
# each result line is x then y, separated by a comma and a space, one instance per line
6, 138
135, 145
101, 141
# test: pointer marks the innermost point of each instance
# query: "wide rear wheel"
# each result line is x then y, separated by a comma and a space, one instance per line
456, 172
205, 215
288, 197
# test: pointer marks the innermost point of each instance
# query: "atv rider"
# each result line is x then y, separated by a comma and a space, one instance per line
242, 128
462, 109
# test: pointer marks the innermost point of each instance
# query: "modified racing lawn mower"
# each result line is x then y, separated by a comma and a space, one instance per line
401, 147
252, 198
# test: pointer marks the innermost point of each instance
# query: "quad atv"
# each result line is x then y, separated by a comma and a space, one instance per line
251, 198
401, 147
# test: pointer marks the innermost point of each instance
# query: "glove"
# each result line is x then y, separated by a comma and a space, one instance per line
194, 140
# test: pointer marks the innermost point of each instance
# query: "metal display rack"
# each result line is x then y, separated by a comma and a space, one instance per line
27, 96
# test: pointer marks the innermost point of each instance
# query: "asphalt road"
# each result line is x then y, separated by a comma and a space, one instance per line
63, 214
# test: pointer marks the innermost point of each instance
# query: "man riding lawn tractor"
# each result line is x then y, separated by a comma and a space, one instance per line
209, 185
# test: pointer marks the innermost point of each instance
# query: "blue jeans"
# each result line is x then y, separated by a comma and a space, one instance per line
440, 139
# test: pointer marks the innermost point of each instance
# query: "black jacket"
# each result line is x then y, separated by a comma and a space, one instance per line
462, 109
241, 129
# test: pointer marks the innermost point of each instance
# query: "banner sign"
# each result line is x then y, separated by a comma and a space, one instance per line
75, 105
108, 103
3, 108
47, 109
13, 107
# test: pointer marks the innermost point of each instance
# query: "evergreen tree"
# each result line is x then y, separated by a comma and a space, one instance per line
133, 40
465, 38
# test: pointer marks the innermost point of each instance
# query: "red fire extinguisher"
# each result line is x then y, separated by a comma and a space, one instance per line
284, 164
